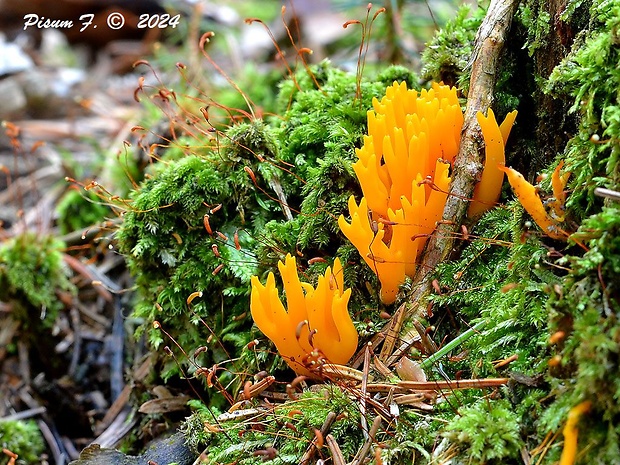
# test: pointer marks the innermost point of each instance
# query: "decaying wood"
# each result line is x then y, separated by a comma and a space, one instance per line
167, 450
489, 44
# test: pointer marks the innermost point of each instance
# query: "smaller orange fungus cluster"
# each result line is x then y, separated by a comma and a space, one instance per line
487, 191
317, 326
533, 204
404, 171
571, 432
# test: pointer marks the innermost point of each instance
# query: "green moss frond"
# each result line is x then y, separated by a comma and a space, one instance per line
240, 439
489, 431
31, 272
22, 438
448, 54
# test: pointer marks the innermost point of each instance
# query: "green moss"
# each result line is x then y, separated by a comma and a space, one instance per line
289, 428
537, 22
77, 210
503, 281
318, 135
448, 54
489, 431
31, 273
172, 255
321, 122
589, 77
536, 287
22, 438
281, 184
399, 74
521, 285
585, 308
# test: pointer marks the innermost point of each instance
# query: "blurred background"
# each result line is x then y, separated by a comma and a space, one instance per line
73, 87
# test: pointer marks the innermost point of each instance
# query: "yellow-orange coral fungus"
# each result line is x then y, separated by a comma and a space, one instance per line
403, 169
528, 197
388, 264
507, 124
407, 133
317, 324
571, 432
558, 184
487, 191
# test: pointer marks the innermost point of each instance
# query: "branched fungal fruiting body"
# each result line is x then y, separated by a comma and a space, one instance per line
317, 325
558, 184
533, 204
488, 190
403, 169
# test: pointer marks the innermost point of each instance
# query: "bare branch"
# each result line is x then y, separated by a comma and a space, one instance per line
489, 44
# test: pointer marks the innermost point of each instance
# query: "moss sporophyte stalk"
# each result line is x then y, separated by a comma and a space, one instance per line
404, 171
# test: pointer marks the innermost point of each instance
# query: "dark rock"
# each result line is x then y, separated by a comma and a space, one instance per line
163, 451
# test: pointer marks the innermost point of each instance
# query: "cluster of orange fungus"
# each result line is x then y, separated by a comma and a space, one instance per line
487, 191
549, 222
404, 171
317, 326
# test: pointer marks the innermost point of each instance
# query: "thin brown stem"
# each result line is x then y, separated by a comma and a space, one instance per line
485, 62
453, 384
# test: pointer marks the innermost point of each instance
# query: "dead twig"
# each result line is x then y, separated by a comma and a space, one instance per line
47, 428
117, 338
391, 338
89, 273
122, 401
314, 445
24, 414
410, 338
334, 448
467, 165
24, 362
607, 193
453, 384
363, 390
363, 452
77, 341
122, 425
